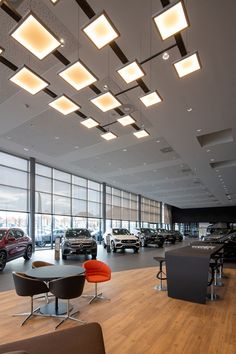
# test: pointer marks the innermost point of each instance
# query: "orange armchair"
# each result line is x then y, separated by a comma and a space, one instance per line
96, 272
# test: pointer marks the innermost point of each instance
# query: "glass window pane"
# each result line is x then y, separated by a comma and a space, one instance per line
43, 184
108, 198
61, 205
43, 203
43, 170
126, 203
116, 212
94, 209
116, 201
108, 189
79, 181
80, 222
43, 225
116, 192
61, 188
12, 177
79, 192
14, 219
13, 199
94, 196
13, 161
94, 185
79, 207
61, 176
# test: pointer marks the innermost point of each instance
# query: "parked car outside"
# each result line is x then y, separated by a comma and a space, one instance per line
121, 239
78, 241
148, 236
42, 240
14, 243
168, 235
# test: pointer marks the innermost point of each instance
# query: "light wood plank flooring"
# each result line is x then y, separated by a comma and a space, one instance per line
139, 320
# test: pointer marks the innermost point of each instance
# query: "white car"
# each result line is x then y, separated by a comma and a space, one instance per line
120, 239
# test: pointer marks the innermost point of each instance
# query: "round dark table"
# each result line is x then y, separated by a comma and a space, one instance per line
48, 273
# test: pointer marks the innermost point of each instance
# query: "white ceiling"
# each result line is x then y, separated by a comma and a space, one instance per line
183, 177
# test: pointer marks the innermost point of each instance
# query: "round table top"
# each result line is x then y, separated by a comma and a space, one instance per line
54, 272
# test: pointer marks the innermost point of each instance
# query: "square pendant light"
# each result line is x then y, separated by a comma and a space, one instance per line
54, 2
101, 30
29, 80
78, 75
34, 36
90, 123
126, 120
151, 98
1, 50
187, 64
141, 133
64, 105
106, 101
171, 20
108, 136
131, 72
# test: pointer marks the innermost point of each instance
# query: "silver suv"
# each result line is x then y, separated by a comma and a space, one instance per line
121, 239
78, 241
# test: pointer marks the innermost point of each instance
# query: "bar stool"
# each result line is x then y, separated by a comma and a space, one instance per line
218, 261
161, 275
213, 268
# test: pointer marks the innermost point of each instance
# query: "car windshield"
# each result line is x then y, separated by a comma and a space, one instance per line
150, 231
79, 233
121, 232
2, 233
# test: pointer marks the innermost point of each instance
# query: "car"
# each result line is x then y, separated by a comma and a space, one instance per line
78, 241
178, 235
42, 240
121, 239
148, 236
228, 238
14, 243
168, 235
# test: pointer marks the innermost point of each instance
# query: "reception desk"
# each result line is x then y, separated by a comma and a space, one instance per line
187, 271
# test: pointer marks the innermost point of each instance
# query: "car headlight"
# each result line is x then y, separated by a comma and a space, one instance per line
67, 243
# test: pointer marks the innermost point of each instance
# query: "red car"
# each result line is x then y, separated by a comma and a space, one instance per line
14, 243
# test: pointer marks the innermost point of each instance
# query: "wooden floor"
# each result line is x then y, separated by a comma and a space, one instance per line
139, 320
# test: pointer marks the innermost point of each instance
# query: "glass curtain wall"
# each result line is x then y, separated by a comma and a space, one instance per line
14, 191
65, 200
150, 213
62, 201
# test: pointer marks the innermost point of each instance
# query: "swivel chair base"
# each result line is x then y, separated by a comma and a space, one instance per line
160, 288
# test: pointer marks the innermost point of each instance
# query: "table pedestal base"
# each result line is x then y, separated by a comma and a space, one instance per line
51, 310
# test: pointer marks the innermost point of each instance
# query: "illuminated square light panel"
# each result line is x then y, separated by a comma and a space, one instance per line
131, 72
151, 99
64, 105
1, 50
90, 123
126, 120
78, 75
101, 31
35, 37
106, 101
108, 136
187, 64
171, 20
141, 133
28, 80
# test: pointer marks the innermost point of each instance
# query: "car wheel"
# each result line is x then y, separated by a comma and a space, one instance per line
173, 242
94, 256
104, 245
3, 260
160, 245
143, 242
64, 257
113, 247
28, 253
136, 250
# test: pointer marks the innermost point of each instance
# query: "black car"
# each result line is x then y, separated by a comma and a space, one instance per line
228, 238
14, 243
149, 236
178, 235
78, 241
169, 236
